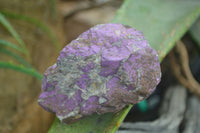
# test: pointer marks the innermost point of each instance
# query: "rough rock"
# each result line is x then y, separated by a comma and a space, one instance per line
103, 70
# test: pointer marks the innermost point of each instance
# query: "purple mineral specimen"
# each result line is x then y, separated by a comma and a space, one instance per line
103, 70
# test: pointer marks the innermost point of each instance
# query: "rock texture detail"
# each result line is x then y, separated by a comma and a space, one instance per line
103, 70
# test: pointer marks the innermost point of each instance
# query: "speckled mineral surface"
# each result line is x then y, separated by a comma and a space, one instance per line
103, 70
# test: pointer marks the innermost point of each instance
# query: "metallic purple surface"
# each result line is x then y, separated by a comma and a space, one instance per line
103, 70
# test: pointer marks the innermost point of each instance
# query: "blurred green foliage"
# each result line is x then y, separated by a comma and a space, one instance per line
23, 65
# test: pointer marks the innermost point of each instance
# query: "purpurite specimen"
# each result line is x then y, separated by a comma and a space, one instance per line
103, 70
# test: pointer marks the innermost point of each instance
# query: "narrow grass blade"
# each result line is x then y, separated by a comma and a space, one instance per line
36, 22
21, 68
53, 9
6, 43
8, 26
15, 56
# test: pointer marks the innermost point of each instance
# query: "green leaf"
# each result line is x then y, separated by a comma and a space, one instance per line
6, 43
36, 22
107, 123
195, 31
15, 56
53, 9
163, 22
21, 68
8, 26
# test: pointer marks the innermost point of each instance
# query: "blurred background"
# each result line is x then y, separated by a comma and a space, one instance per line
33, 32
